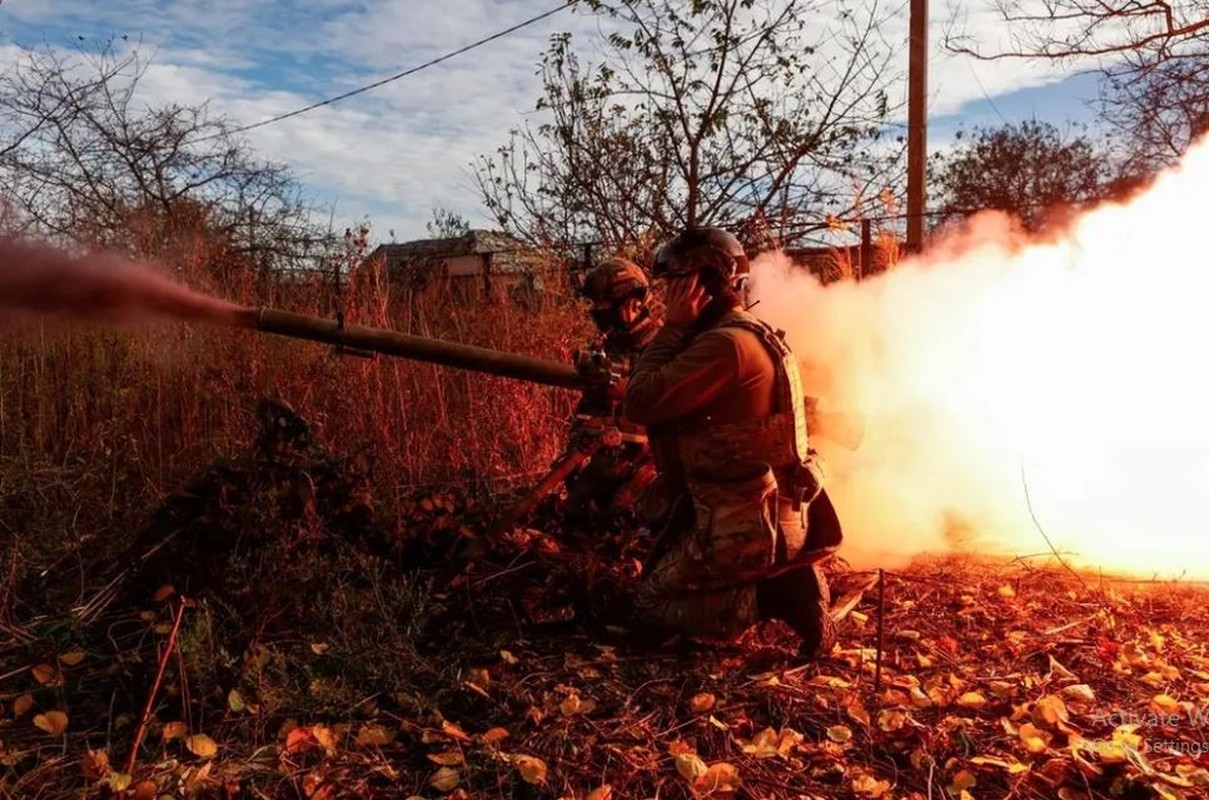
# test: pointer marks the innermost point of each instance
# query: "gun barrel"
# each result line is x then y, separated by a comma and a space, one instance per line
419, 348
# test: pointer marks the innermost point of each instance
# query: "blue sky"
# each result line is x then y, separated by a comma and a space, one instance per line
395, 153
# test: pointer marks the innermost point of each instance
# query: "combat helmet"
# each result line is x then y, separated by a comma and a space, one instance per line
699, 249
614, 280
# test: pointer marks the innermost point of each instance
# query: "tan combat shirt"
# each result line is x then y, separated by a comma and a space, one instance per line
723, 375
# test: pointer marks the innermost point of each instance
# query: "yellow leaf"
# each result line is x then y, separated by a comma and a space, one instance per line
325, 736
961, 781
72, 658
449, 758
532, 769
23, 704
719, 780
508, 658
43, 673
235, 701
971, 700
690, 766
829, 682
1035, 740
53, 722
569, 705
604, 792
702, 702
891, 720
201, 745
319, 648
1011, 766
1006, 591
163, 593
494, 735
839, 733
174, 730
118, 781
1050, 711
868, 786
1164, 704
445, 779
373, 736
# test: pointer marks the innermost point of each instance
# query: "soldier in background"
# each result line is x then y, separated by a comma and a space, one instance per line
745, 521
618, 471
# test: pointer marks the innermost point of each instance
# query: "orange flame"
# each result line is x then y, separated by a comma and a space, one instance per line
1022, 395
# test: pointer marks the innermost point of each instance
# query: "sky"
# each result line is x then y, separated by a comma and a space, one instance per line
393, 154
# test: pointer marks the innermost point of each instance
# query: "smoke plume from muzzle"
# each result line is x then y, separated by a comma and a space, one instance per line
1023, 395
38, 279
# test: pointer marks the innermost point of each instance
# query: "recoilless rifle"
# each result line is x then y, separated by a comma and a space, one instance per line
592, 372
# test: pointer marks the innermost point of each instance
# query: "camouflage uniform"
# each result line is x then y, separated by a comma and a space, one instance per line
739, 493
616, 474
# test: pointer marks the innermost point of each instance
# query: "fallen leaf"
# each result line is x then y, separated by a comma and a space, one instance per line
604, 792
1164, 704
163, 593
1006, 591
449, 758
118, 781
235, 701
532, 769
839, 733
494, 735
971, 700
477, 676
43, 673
690, 766
455, 730
508, 658
299, 739
23, 704
868, 786
1080, 692
856, 711
1035, 740
961, 781
719, 780
325, 736
373, 736
445, 779
94, 764
319, 648
173, 730
201, 745
891, 720
53, 722
144, 790
702, 702
72, 658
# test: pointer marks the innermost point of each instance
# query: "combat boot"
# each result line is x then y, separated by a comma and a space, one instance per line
801, 599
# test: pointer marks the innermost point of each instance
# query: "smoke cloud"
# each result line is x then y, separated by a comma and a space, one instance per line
37, 279
1020, 394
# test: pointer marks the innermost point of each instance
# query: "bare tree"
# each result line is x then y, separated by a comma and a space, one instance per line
753, 114
81, 159
1154, 56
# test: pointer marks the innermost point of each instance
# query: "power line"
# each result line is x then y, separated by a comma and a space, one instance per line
385, 81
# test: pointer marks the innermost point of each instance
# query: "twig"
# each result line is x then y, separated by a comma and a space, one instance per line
1028, 500
881, 630
155, 687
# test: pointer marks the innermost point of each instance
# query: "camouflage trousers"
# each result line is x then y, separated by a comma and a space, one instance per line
703, 581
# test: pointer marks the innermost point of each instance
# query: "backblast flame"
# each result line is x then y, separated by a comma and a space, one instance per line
1024, 395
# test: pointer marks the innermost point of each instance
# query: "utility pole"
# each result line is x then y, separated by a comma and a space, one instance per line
917, 125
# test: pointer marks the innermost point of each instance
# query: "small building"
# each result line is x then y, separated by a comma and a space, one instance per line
480, 263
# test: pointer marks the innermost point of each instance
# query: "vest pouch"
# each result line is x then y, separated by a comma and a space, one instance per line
734, 537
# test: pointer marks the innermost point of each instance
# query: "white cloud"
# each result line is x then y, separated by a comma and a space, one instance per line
398, 150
